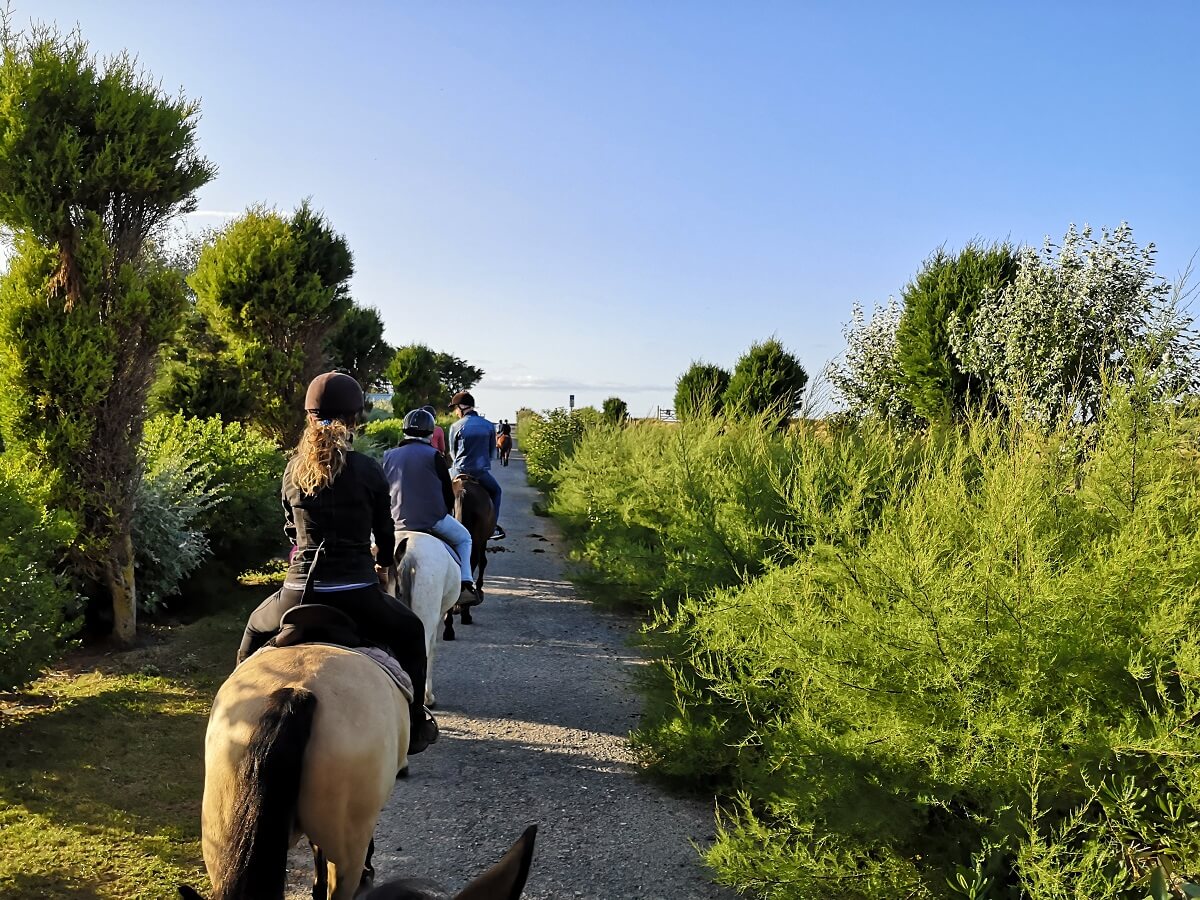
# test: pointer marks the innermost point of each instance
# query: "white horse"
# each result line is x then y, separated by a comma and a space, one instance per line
428, 579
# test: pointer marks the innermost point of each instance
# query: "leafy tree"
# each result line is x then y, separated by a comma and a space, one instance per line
93, 160
421, 376
766, 380
415, 379
869, 378
456, 374
357, 346
700, 391
948, 286
1075, 316
275, 288
615, 410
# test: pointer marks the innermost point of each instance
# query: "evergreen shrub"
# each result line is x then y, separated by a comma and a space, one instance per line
38, 604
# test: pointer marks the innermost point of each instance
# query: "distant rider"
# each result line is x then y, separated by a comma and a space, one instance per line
438, 438
472, 443
333, 499
423, 497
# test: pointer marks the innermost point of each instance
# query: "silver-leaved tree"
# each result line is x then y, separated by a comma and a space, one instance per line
1080, 313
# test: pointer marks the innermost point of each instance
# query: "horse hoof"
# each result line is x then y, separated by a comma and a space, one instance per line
467, 618
403, 773
447, 635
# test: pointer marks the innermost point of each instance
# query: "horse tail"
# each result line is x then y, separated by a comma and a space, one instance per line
268, 785
404, 574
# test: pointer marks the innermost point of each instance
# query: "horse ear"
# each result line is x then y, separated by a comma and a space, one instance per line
506, 879
188, 894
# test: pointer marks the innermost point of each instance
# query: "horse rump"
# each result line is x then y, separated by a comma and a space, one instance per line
268, 783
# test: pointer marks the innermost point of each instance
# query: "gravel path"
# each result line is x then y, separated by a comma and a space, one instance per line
535, 701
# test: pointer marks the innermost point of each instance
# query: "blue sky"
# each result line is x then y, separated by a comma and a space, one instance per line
584, 197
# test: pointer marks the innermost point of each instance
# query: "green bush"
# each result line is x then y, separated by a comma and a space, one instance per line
549, 438
382, 435
965, 663
168, 541
34, 616
235, 462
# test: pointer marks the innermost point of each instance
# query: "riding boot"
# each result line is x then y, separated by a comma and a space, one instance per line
469, 594
423, 728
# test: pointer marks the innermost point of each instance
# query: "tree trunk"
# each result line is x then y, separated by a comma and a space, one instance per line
120, 579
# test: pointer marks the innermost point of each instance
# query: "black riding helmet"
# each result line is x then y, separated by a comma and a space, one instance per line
419, 423
334, 395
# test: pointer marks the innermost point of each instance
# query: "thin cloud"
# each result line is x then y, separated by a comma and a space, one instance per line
213, 214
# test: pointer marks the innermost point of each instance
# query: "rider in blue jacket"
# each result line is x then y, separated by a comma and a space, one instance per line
472, 442
422, 495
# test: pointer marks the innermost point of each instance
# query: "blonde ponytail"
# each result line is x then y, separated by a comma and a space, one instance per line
320, 455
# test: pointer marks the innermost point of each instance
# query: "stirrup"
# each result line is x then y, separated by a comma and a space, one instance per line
423, 734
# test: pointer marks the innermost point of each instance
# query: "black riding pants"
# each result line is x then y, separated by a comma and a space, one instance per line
381, 619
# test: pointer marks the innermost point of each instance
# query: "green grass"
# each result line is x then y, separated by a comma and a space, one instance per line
102, 770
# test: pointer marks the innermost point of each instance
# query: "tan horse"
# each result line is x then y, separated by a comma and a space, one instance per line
301, 740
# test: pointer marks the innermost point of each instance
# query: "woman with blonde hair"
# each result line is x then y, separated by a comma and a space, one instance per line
334, 499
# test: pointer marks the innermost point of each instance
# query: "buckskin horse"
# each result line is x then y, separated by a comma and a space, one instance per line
304, 739
473, 508
307, 740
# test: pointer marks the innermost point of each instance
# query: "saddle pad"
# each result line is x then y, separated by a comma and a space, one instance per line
454, 556
381, 658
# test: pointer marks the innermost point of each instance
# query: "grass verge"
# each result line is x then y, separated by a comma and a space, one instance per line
102, 768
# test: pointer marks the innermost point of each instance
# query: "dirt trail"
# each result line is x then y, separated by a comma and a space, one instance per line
535, 702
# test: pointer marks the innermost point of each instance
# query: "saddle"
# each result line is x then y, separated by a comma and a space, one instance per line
316, 623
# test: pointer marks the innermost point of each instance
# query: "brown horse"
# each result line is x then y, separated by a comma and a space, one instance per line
504, 447
306, 740
503, 881
473, 508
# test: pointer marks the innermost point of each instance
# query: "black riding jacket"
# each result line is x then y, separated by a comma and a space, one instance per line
343, 516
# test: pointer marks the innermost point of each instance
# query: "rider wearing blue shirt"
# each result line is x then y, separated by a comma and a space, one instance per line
472, 441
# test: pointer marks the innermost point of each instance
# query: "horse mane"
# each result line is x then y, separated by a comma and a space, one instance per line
255, 867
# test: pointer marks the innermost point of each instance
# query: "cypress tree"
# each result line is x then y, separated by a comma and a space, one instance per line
94, 158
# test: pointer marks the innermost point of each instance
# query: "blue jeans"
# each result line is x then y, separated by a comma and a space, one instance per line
492, 486
456, 535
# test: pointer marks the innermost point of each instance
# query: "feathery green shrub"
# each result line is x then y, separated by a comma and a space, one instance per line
965, 663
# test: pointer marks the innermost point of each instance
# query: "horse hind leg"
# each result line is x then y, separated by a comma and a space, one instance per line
448, 631
320, 888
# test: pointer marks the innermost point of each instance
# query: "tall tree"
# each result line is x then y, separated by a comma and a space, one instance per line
421, 376
615, 410
949, 287
767, 380
700, 391
93, 159
358, 347
275, 287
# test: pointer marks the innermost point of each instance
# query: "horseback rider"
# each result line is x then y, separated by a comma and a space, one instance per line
333, 499
423, 496
472, 443
438, 438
